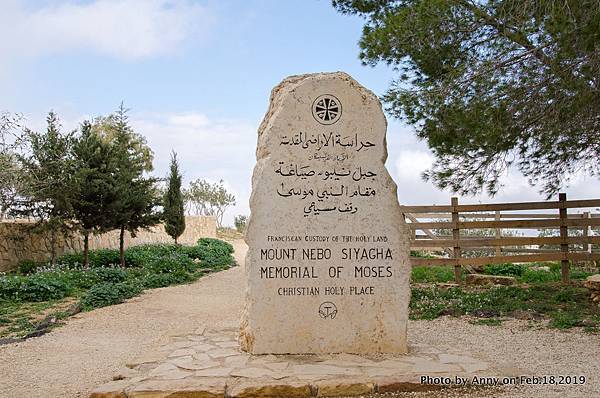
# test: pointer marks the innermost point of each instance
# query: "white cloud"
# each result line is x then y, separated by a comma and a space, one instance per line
410, 157
127, 29
206, 148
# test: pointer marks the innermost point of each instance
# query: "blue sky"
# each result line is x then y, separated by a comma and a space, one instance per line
197, 76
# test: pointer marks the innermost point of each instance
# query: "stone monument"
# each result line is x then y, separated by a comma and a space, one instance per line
328, 261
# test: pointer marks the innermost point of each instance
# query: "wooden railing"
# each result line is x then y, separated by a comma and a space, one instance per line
569, 248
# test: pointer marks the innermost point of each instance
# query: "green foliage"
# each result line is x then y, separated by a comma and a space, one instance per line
173, 263
48, 186
27, 267
173, 206
489, 84
38, 287
104, 294
566, 306
152, 281
432, 274
240, 222
507, 269
137, 195
213, 253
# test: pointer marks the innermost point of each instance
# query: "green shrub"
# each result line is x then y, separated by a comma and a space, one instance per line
212, 253
152, 281
70, 260
171, 264
139, 256
42, 286
113, 275
104, 258
507, 269
9, 287
564, 320
27, 267
216, 245
105, 294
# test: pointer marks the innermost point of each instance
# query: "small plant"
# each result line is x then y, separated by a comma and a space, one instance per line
507, 269
240, 223
486, 321
105, 294
432, 274
27, 267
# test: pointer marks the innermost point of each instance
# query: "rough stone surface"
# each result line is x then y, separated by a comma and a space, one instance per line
593, 284
327, 264
478, 279
325, 375
343, 388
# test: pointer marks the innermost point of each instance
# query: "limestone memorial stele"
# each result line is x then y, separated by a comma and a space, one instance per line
328, 261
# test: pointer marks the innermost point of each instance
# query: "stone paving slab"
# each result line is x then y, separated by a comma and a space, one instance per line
209, 364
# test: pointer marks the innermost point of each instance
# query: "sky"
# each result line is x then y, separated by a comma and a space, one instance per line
197, 77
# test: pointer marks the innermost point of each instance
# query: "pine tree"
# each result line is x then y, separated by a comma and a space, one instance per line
173, 215
137, 197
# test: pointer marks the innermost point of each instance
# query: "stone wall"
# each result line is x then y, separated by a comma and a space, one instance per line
18, 242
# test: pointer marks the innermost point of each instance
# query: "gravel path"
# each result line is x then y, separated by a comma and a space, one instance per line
93, 346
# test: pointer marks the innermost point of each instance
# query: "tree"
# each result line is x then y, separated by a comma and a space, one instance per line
173, 211
490, 84
136, 193
209, 199
48, 188
95, 184
11, 174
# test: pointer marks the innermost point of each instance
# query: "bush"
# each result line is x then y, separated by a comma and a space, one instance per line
113, 275
507, 269
104, 258
212, 253
35, 288
70, 260
152, 281
139, 256
172, 263
105, 294
27, 267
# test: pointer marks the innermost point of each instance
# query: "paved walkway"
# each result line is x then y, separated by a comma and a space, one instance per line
74, 359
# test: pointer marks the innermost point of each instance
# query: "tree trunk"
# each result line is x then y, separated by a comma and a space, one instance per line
86, 249
122, 246
175, 240
53, 247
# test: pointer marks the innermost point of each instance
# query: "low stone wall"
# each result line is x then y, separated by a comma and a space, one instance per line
18, 242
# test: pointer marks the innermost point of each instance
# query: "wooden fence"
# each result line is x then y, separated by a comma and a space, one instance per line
568, 248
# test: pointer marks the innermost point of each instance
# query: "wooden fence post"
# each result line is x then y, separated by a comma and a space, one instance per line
586, 233
498, 234
456, 237
564, 234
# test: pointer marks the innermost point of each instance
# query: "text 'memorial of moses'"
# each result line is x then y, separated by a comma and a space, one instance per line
328, 261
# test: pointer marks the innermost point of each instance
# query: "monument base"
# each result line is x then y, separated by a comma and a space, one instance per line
210, 364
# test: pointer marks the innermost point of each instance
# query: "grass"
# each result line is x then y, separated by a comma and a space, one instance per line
564, 306
21, 318
523, 273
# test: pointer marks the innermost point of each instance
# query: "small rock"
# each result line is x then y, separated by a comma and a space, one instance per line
477, 279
